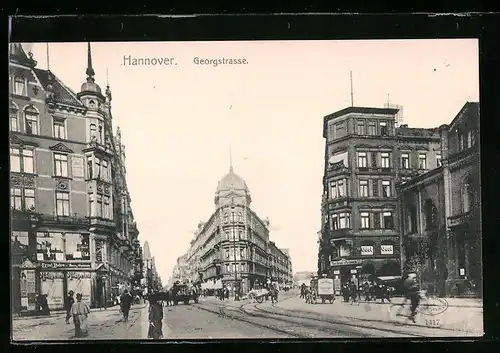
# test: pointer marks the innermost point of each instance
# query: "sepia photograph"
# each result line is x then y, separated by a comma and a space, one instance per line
245, 190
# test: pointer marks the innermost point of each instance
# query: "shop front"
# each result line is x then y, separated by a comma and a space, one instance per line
343, 271
57, 279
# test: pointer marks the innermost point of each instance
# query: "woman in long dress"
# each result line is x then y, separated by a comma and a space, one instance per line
155, 318
80, 312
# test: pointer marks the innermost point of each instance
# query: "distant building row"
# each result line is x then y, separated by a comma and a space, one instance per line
233, 247
401, 198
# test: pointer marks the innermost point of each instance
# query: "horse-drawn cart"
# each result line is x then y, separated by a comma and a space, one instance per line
258, 294
324, 289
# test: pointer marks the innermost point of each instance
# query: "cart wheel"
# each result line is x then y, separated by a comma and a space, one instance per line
331, 301
259, 299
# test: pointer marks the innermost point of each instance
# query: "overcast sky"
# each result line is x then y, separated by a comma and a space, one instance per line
178, 126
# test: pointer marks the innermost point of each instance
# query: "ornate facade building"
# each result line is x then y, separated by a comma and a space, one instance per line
232, 248
72, 227
365, 156
441, 213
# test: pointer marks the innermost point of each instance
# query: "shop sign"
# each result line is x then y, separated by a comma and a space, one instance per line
366, 250
78, 275
386, 249
51, 275
346, 262
65, 265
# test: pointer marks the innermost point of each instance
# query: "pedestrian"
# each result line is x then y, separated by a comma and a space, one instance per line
353, 292
413, 293
155, 330
125, 304
44, 304
80, 312
68, 303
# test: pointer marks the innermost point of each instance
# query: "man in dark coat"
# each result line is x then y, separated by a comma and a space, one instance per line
126, 302
68, 303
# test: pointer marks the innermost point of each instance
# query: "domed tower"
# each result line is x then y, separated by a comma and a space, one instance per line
232, 190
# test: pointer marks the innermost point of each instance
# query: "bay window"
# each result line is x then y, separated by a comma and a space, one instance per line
99, 205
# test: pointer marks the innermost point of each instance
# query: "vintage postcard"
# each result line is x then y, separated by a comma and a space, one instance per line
252, 189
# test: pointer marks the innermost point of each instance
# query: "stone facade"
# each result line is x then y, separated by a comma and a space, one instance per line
441, 228
71, 217
233, 248
365, 156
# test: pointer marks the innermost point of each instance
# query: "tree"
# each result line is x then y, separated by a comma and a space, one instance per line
417, 261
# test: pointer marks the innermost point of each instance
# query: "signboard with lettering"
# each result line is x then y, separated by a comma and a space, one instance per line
325, 286
366, 250
80, 282
77, 167
386, 249
65, 265
345, 262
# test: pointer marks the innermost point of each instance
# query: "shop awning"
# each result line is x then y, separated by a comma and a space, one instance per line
339, 157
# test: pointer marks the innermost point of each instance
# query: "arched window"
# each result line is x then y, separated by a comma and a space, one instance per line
31, 120
13, 114
430, 212
467, 195
19, 86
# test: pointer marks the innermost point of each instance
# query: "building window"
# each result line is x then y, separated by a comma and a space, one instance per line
340, 130
59, 129
31, 120
92, 210
240, 217
460, 137
19, 241
384, 131
388, 220
16, 199
375, 188
227, 234
50, 246
438, 160
13, 121
362, 160
363, 188
386, 188
335, 222
365, 220
242, 253
385, 159
77, 246
372, 128
106, 208
233, 217
422, 161
228, 269
93, 132
105, 171
61, 164
386, 249
20, 86
29, 199
361, 127
338, 189
471, 140
405, 161
366, 250
62, 203
344, 220
21, 160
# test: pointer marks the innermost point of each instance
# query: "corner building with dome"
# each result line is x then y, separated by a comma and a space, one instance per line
233, 248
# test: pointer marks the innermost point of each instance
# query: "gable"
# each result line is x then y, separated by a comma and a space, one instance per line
60, 147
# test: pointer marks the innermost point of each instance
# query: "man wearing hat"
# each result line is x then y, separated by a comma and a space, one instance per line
68, 303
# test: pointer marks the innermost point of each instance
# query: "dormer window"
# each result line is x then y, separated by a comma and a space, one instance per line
91, 104
19, 86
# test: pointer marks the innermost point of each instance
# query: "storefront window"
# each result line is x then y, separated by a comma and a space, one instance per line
77, 246
50, 246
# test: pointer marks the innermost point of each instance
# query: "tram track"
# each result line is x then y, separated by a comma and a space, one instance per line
333, 328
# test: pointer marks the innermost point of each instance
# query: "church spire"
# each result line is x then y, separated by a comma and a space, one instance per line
230, 161
90, 71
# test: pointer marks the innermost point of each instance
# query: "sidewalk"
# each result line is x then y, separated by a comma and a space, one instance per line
460, 315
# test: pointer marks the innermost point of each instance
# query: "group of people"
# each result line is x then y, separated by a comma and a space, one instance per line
351, 293
79, 311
